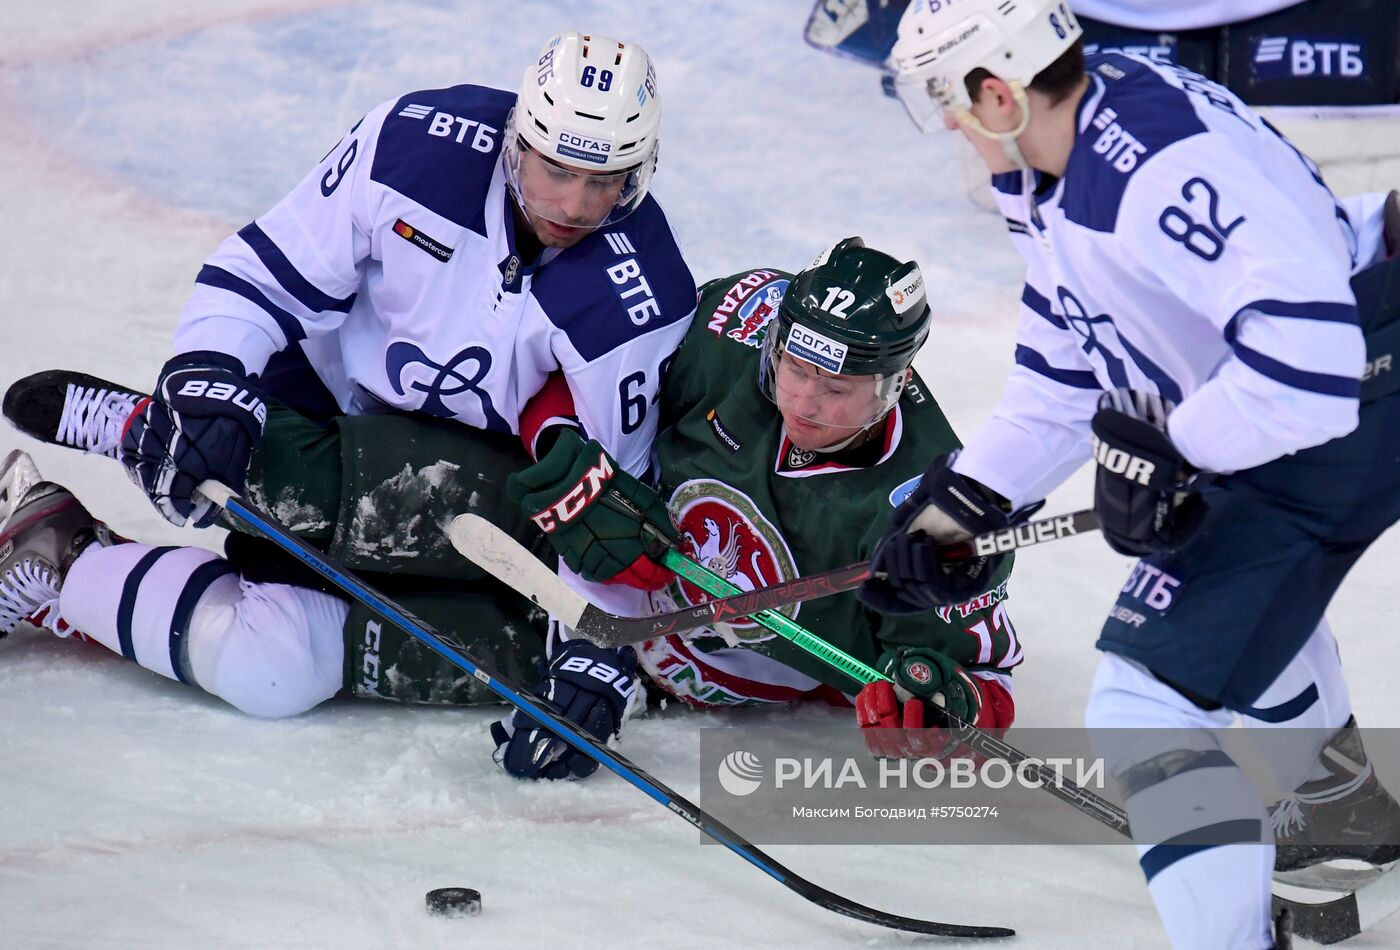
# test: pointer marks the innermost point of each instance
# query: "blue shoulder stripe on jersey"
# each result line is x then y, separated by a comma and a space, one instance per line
619, 283
212, 276
425, 150
126, 604
1138, 116
1328, 312
1039, 303
286, 274
1078, 378
199, 582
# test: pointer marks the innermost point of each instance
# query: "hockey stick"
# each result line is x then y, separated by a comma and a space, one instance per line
497, 552
487, 546
505, 558
1098, 808
451, 650
1325, 921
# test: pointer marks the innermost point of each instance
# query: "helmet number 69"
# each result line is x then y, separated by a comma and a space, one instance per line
603, 76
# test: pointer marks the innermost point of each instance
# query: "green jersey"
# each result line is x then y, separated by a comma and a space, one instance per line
757, 509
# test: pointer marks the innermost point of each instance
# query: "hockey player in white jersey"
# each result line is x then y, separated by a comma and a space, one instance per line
1189, 322
452, 251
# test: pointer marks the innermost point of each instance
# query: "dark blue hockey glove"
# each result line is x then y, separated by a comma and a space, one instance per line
947, 507
1144, 490
202, 422
589, 686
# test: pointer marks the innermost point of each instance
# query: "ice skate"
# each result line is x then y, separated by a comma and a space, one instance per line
1347, 815
62, 407
43, 529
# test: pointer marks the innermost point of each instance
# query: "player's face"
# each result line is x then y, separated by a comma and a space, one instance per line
820, 408
564, 203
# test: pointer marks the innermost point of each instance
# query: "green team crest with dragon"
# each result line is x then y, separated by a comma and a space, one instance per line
724, 530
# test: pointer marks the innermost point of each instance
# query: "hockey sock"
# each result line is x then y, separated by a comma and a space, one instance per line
270, 650
1199, 821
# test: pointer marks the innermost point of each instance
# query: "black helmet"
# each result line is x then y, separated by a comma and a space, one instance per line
863, 311
854, 312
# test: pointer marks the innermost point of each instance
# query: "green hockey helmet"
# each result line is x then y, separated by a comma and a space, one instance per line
855, 312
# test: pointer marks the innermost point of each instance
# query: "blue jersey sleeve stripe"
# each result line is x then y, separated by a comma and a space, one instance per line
1328, 312
1323, 383
1078, 378
1039, 303
218, 277
290, 279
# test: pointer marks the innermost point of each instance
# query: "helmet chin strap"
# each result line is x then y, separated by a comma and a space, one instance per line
1009, 148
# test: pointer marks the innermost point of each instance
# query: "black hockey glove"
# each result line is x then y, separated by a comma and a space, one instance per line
946, 507
565, 495
1144, 490
589, 686
201, 422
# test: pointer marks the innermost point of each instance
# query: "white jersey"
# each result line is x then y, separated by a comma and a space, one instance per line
394, 266
1177, 15
1190, 251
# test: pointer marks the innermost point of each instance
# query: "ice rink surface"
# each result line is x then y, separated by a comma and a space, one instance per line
135, 812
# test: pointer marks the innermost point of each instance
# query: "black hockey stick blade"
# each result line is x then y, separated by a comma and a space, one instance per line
502, 556
1342, 917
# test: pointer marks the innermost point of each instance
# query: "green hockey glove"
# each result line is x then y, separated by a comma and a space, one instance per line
595, 514
935, 680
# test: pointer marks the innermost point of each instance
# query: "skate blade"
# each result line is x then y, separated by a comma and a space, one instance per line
18, 475
1338, 877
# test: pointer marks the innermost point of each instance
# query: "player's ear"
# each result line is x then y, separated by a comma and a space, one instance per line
997, 93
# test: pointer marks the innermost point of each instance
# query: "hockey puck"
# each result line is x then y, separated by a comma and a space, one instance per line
454, 902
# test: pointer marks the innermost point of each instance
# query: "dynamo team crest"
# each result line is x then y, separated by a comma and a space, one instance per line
722, 529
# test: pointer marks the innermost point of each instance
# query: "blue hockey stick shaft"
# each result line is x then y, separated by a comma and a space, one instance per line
265, 525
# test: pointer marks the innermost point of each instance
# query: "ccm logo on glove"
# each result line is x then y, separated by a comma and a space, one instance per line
1122, 463
577, 498
225, 392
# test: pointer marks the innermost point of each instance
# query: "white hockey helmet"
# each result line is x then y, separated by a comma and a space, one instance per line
589, 103
942, 41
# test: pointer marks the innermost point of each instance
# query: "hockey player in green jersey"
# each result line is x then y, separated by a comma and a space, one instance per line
792, 423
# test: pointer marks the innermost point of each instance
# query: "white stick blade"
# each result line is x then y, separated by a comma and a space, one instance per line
508, 561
